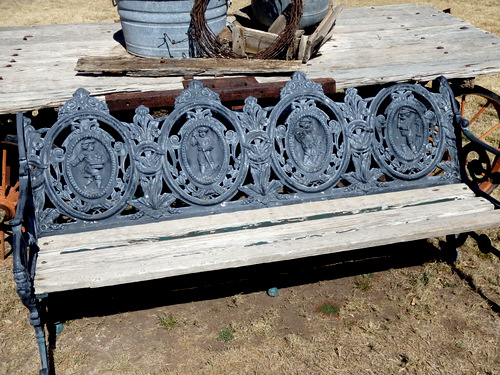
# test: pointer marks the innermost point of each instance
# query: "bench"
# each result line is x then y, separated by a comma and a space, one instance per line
105, 202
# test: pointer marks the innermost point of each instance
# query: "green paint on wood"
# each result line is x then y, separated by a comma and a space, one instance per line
264, 224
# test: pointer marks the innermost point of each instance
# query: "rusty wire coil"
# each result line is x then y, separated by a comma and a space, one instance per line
209, 46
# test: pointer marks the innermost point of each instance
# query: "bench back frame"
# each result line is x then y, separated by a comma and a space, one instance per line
89, 169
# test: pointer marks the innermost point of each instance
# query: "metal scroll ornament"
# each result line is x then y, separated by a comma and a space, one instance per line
309, 137
263, 189
409, 140
86, 165
204, 161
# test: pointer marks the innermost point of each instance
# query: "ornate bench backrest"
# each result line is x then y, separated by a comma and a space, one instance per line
91, 169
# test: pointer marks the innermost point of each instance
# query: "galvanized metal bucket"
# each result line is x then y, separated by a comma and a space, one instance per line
160, 28
266, 11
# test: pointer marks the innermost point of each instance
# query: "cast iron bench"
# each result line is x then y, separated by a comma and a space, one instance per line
104, 202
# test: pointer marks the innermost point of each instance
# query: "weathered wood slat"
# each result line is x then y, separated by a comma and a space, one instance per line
136, 66
256, 40
183, 227
325, 28
403, 71
238, 39
162, 257
399, 35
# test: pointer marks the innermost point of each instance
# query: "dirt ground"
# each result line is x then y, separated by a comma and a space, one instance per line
391, 310
399, 311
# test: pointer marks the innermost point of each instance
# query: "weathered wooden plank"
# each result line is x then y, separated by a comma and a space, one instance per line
433, 55
302, 47
184, 227
43, 72
317, 38
136, 66
402, 71
256, 40
156, 259
19, 36
238, 39
278, 25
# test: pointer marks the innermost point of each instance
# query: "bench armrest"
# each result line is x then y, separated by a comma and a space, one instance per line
23, 224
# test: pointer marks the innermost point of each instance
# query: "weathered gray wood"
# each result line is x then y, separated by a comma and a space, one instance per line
278, 25
317, 38
302, 47
369, 46
130, 254
183, 227
136, 66
292, 51
238, 39
256, 40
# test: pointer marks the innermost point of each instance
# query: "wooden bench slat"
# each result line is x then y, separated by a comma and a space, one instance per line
159, 258
184, 227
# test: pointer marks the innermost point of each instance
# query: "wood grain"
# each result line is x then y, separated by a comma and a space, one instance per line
372, 45
136, 66
144, 252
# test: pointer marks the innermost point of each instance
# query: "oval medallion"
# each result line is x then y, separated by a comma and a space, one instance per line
409, 141
90, 166
204, 153
91, 174
204, 161
405, 132
309, 144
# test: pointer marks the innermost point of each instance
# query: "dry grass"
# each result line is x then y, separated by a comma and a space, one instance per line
42, 12
429, 318
424, 319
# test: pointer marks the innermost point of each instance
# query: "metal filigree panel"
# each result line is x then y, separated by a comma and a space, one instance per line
409, 136
205, 158
363, 176
204, 162
309, 150
82, 163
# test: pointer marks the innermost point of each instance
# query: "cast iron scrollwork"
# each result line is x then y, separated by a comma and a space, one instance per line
204, 163
480, 166
84, 162
202, 156
308, 132
258, 146
409, 137
145, 131
477, 162
364, 177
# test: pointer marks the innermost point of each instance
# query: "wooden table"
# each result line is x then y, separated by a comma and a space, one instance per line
372, 45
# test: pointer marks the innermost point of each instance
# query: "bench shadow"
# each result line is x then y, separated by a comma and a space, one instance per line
206, 286
244, 280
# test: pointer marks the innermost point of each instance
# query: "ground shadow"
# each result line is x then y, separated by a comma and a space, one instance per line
218, 284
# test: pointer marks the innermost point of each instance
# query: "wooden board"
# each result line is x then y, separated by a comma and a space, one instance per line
140, 67
372, 45
144, 252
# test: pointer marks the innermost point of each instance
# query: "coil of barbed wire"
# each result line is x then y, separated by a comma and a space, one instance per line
208, 45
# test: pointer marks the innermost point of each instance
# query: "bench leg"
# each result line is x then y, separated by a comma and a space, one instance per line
24, 290
42, 347
453, 242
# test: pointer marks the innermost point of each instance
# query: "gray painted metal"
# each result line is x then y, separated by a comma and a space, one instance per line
91, 171
266, 11
160, 28
204, 158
